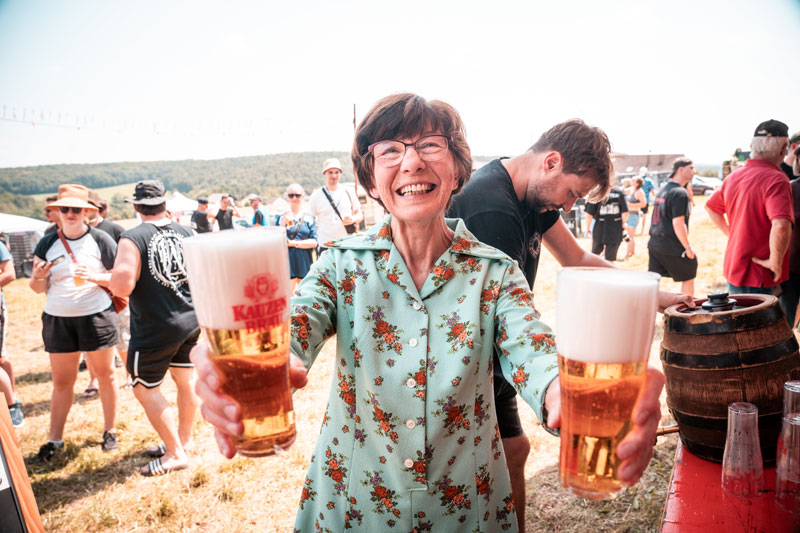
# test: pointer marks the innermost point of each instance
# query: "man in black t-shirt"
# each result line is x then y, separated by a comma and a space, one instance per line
150, 268
225, 214
671, 255
513, 205
200, 217
610, 215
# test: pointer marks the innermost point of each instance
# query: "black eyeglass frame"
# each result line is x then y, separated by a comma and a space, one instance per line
294, 195
75, 210
447, 139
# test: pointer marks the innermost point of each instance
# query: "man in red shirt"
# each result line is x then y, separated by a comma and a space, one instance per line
756, 200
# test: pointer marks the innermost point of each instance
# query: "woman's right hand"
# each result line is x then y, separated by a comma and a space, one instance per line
219, 409
41, 269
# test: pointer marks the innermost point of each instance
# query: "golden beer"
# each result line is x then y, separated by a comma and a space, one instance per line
597, 401
605, 324
255, 370
240, 289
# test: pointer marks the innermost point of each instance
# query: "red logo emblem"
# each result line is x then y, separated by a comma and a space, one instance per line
260, 287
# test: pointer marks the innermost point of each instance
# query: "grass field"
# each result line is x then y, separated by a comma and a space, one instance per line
95, 491
108, 193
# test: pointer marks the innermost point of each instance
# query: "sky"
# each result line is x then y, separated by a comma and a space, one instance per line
105, 81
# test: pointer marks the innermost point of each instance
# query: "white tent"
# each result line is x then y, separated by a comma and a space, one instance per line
178, 202
23, 233
18, 224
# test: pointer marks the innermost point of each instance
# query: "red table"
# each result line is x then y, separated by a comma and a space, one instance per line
696, 502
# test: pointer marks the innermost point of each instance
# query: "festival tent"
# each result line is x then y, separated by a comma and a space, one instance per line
178, 202
23, 234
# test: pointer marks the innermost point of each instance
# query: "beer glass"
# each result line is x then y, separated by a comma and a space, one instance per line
605, 319
240, 289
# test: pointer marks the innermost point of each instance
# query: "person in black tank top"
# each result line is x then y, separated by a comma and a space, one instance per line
163, 324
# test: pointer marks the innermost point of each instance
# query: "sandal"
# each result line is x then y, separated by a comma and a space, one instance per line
158, 451
90, 392
154, 468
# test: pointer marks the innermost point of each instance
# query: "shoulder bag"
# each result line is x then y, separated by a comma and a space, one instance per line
349, 228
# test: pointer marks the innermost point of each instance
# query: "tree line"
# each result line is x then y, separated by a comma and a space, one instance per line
267, 175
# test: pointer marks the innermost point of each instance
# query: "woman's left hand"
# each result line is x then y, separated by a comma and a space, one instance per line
636, 448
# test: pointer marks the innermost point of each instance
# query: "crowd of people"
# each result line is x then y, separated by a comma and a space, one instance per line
425, 307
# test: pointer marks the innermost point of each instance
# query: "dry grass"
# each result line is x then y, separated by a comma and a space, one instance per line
95, 491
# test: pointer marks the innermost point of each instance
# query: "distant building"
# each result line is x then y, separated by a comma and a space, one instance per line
659, 166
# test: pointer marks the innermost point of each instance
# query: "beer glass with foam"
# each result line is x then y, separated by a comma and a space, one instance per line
605, 322
240, 289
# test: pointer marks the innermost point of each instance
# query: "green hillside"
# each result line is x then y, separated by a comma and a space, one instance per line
22, 190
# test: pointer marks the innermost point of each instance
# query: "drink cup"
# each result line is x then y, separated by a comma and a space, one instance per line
77, 280
605, 323
742, 467
240, 289
787, 483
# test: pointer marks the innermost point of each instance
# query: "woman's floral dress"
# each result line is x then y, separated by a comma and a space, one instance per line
409, 441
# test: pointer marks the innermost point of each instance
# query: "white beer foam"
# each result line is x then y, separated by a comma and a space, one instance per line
221, 264
605, 315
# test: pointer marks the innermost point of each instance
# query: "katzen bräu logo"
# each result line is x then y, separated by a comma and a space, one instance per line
264, 310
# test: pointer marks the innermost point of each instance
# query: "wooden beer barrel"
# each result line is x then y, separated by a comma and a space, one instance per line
722, 354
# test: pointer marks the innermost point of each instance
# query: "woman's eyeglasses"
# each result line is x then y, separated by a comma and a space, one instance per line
294, 194
391, 153
75, 210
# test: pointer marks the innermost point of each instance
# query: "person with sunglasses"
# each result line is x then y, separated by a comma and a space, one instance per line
301, 234
72, 266
409, 441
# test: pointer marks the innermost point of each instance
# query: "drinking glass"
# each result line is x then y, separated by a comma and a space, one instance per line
742, 467
602, 370
787, 484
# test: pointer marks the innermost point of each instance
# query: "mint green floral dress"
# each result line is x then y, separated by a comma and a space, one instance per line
409, 441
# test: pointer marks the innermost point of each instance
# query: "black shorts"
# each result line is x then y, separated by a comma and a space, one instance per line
611, 249
673, 266
148, 367
67, 334
505, 405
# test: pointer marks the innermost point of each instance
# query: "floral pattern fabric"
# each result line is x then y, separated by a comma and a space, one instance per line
409, 441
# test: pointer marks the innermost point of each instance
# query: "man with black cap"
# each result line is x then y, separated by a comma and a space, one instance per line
260, 216
200, 221
149, 267
754, 209
671, 254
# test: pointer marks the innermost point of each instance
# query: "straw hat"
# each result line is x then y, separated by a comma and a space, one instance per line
72, 195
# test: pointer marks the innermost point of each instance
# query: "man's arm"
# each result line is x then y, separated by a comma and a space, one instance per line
779, 235
560, 242
679, 225
126, 268
7, 274
719, 220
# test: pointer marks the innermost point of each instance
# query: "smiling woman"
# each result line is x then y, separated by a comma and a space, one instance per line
418, 306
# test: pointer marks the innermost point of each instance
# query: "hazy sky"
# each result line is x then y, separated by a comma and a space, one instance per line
151, 80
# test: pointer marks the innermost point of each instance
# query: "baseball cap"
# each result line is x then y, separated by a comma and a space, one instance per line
331, 163
772, 128
794, 138
678, 163
202, 200
251, 197
148, 192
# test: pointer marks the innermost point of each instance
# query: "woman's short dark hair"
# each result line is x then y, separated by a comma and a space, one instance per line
585, 151
150, 210
406, 116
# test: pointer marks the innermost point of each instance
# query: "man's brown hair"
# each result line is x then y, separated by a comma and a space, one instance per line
405, 116
585, 151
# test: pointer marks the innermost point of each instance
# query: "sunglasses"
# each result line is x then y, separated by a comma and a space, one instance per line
294, 195
75, 210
